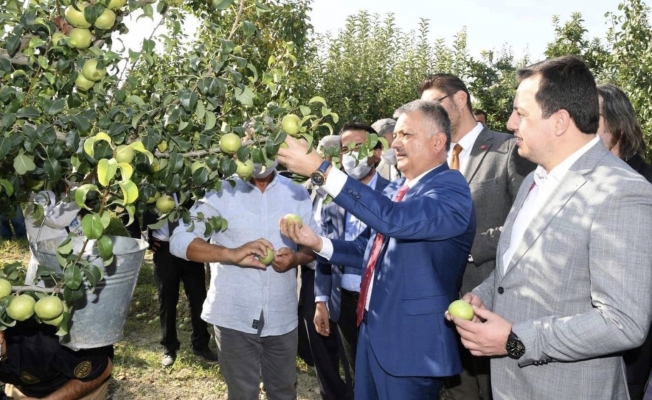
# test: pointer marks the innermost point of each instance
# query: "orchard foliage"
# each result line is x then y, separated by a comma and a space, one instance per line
115, 131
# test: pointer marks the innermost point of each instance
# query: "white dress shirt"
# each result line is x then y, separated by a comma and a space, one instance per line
467, 143
545, 184
333, 186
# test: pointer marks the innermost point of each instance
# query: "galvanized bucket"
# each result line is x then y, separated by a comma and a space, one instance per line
99, 318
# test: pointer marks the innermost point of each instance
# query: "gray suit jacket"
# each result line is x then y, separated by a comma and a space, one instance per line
494, 172
578, 289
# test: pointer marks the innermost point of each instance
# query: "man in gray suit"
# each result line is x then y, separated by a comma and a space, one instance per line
572, 287
491, 165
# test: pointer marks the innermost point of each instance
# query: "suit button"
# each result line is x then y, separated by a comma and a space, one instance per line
501, 290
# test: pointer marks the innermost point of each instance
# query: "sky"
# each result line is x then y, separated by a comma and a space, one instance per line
525, 25
490, 24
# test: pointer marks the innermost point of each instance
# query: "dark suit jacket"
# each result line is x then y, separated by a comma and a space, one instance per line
428, 237
494, 172
328, 278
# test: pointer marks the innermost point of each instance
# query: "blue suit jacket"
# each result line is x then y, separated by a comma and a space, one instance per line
328, 278
428, 237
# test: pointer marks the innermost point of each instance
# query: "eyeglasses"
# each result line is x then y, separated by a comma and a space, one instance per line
439, 100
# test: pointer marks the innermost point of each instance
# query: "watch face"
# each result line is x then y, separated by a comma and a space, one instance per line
317, 178
515, 348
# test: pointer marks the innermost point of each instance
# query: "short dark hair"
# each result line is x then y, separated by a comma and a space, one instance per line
620, 120
434, 111
447, 83
480, 112
566, 84
360, 126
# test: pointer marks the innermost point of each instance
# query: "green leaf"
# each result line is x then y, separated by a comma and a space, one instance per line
106, 170
105, 247
139, 147
211, 120
72, 277
8, 187
89, 144
249, 28
317, 99
92, 226
28, 112
126, 170
129, 191
136, 100
24, 164
188, 99
305, 110
222, 4
246, 96
65, 247
53, 169
175, 162
53, 107
81, 192
106, 219
5, 146
158, 225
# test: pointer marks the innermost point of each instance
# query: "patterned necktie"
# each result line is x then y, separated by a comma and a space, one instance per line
455, 160
373, 260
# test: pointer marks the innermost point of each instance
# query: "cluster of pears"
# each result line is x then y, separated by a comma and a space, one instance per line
49, 309
81, 38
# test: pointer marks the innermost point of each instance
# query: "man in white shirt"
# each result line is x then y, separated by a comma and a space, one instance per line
491, 165
253, 307
572, 287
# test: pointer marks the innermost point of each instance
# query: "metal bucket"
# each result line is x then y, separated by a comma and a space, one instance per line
99, 318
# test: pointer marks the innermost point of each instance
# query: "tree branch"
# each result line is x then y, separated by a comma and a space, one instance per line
34, 288
18, 59
237, 19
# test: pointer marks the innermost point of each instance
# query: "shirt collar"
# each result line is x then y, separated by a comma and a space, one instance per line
411, 183
558, 173
469, 139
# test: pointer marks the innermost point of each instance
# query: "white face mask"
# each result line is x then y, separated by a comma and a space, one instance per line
356, 169
389, 156
260, 171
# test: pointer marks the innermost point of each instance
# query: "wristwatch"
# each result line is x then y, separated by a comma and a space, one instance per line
318, 177
515, 348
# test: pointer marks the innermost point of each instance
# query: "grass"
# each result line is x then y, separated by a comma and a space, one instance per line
138, 373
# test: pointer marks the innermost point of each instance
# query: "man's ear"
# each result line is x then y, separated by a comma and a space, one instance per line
460, 99
562, 122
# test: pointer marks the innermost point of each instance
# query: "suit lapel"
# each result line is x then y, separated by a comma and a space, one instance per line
506, 234
557, 200
480, 149
571, 182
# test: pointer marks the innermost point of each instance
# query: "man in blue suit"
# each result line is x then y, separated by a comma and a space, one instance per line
338, 286
414, 251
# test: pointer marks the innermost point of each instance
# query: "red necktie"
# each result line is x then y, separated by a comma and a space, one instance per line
373, 260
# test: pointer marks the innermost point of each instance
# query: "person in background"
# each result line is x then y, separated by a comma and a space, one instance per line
387, 165
480, 116
13, 219
170, 271
621, 134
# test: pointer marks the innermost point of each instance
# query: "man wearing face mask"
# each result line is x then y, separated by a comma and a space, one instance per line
252, 307
337, 288
387, 165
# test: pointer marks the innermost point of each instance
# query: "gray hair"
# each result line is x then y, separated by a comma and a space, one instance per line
434, 113
329, 142
384, 126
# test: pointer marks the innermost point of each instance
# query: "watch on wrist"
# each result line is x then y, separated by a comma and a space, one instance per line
515, 348
318, 177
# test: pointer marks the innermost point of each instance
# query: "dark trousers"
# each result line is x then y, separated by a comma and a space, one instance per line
13, 218
348, 328
373, 383
169, 272
474, 382
326, 350
639, 363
